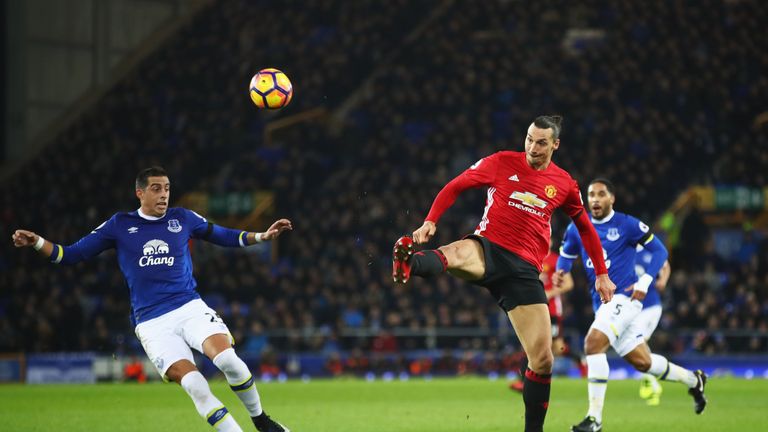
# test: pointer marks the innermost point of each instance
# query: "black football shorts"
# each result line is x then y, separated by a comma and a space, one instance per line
511, 280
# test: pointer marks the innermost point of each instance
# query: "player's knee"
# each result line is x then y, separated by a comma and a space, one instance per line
594, 343
465, 255
454, 255
589, 346
177, 371
642, 364
541, 362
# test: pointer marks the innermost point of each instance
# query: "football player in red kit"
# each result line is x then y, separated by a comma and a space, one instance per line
506, 251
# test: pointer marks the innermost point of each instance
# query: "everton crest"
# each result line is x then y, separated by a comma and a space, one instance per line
174, 226
613, 234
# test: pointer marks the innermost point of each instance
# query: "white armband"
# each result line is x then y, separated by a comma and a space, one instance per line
643, 283
259, 237
39, 243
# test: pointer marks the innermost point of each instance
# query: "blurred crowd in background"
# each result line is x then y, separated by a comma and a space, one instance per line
415, 92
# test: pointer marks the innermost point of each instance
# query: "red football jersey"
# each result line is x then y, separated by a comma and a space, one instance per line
520, 202
547, 270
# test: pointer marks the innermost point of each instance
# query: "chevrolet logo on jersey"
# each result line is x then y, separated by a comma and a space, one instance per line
529, 203
529, 199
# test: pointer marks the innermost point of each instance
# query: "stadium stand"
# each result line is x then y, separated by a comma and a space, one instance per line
640, 108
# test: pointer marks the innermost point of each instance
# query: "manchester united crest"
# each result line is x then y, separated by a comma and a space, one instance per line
550, 191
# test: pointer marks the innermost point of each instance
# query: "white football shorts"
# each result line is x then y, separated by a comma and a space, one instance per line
617, 319
169, 337
649, 319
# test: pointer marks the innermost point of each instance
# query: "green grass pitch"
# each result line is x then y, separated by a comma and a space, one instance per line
440, 405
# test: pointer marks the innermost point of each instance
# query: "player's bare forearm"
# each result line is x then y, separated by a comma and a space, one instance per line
24, 238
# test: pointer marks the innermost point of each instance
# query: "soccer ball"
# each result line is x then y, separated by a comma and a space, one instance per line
270, 89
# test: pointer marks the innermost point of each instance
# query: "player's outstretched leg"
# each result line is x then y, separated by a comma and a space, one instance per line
242, 383
424, 263
210, 408
650, 389
665, 370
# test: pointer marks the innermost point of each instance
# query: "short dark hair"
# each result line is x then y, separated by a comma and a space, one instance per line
606, 182
554, 122
142, 178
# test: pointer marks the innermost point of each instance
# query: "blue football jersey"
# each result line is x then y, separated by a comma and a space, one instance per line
642, 260
619, 234
153, 255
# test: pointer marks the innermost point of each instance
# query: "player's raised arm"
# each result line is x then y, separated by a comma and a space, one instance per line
228, 237
24, 238
480, 174
87, 247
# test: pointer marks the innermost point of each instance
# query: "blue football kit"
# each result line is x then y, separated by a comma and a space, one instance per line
153, 254
619, 234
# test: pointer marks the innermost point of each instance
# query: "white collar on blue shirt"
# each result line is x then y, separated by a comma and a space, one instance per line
605, 219
148, 217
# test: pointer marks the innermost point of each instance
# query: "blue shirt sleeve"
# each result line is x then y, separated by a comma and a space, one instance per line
99, 240
638, 233
204, 230
199, 224
570, 249
659, 254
